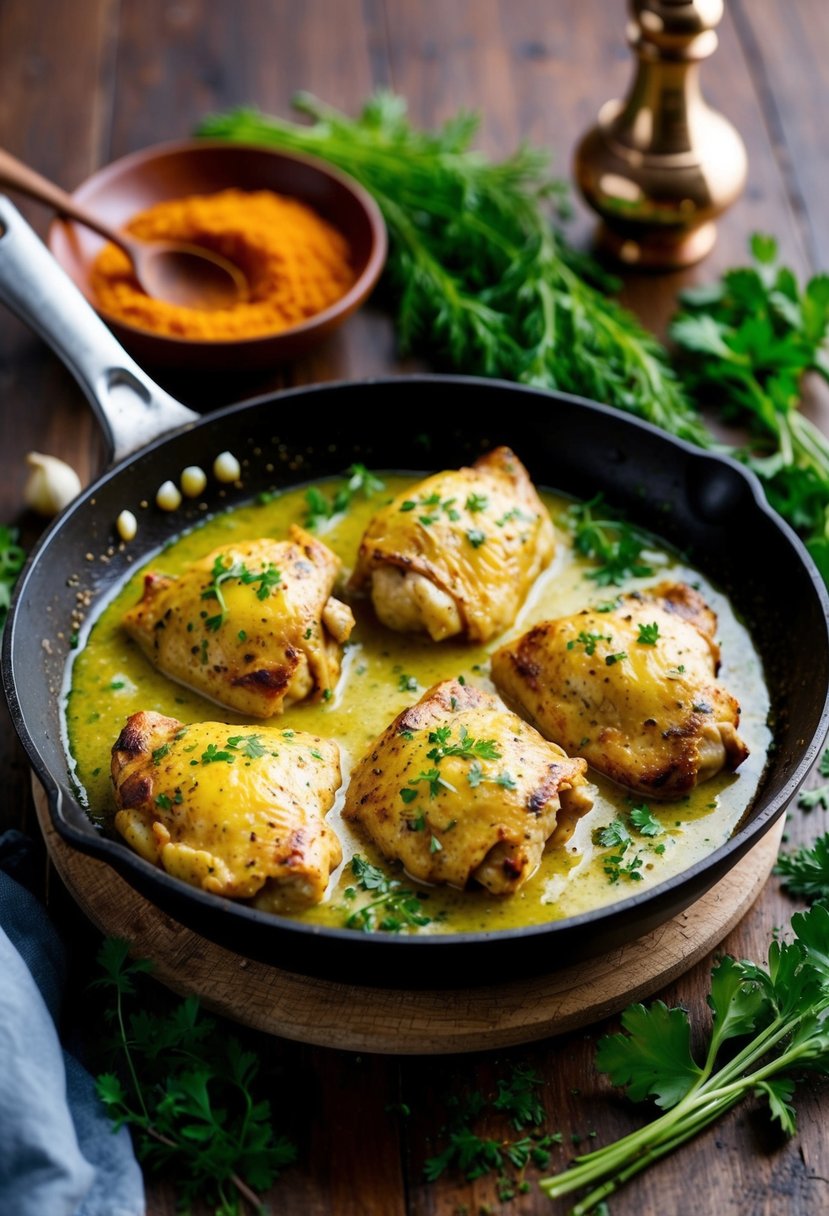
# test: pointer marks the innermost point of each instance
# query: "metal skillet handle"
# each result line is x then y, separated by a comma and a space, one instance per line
131, 408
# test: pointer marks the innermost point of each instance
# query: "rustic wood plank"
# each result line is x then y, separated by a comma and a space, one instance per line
61, 133
785, 47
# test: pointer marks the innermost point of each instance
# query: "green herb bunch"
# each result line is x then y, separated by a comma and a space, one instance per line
751, 338
482, 281
185, 1087
776, 1023
12, 558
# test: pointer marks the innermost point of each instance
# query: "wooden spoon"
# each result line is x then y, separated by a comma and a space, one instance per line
167, 270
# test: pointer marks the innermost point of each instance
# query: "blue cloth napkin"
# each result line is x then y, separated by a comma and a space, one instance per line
58, 1153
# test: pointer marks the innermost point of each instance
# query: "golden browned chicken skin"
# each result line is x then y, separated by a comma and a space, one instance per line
458, 788
252, 625
633, 690
237, 811
457, 553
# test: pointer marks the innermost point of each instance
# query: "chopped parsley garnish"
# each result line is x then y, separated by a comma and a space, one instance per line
484, 749
434, 780
435, 846
609, 605
616, 546
160, 753
648, 634
615, 867
222, 572
476, 537
211, 755
475, 775
613, 834
588, 641
612, 659
248, 745
320, 507
393, 908
163, 801
517, 514
645, 822
432, 506
474, 1156
407, 683
476, 503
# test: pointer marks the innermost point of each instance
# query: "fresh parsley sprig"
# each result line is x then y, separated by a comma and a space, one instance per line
749, 341
480, 278
225, 570
392, 907
776, 1023
806, 871
615, 545
320, 506
187, 1090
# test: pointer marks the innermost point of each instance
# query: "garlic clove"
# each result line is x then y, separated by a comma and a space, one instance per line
51, 485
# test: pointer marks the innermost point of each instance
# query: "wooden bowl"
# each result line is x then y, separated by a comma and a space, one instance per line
168, 171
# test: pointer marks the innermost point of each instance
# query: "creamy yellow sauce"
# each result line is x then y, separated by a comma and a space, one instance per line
110, 679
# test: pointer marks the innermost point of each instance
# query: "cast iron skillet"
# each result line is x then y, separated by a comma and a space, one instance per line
706, 506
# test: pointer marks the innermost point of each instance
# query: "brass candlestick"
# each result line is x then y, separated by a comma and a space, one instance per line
661, 165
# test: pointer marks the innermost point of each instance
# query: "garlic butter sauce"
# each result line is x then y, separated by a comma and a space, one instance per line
382, 673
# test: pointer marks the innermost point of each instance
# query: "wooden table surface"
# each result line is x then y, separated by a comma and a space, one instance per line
88, 81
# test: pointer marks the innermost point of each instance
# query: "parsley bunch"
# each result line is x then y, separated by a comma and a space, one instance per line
806, 871
776, 1017
480, 278
186, 1090
12, 558
750, 340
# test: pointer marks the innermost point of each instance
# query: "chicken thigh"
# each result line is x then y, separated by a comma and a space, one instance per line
236, 811
459, 788
633, 690
252, 625
457, 553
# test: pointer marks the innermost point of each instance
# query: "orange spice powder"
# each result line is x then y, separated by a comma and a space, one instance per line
295, 262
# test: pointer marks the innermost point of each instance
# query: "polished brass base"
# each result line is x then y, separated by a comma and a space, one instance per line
657, 251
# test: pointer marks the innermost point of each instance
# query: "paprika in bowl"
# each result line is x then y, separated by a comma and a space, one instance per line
309, 240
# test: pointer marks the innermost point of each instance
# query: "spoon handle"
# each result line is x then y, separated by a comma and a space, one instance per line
17, 176
131, 408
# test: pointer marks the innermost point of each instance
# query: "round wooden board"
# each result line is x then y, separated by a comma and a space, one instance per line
391, 1021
